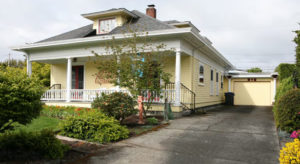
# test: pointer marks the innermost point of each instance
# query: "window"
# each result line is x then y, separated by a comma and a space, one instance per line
217, 83
201, 74
211, 82
222, 80
106, 25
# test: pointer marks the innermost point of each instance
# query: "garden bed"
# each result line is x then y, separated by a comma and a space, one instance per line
51, 116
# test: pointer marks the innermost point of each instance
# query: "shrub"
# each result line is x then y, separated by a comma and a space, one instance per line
287, 111
152, 121
19, 96
290, 153
22, 145
118, 105
284, 86
93, 126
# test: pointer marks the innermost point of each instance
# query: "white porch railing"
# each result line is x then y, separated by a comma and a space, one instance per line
55, 95
88, 95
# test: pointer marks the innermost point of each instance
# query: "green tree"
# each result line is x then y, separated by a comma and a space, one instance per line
297, 41
19, 96
254, 70
39, 70
285, 70
13, 63
135, 64
42, 72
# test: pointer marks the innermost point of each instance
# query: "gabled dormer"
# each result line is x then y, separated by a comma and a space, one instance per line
106, 21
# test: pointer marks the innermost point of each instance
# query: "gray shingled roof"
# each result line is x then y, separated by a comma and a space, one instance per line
77, 33
141, 24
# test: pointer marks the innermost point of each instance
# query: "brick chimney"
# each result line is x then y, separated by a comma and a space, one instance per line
151, 11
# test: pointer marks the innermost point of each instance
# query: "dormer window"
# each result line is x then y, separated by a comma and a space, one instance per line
106, 25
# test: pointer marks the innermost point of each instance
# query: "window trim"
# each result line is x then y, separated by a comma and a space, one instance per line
222, 81
201, 75
211, 82
104, 19
217, 84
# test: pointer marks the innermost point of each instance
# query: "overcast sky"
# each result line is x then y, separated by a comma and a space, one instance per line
248, 33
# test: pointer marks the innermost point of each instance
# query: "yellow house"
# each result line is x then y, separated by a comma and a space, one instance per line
201, 75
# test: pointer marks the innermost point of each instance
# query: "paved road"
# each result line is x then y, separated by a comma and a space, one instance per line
230, 135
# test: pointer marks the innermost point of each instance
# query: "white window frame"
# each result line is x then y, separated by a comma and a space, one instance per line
201, 75
109, 28
211, 82
217, 83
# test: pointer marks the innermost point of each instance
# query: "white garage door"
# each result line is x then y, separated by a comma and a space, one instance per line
252, 93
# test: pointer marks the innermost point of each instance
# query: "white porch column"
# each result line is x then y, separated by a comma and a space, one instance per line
177, 78
29, 66
229, 83
69, 79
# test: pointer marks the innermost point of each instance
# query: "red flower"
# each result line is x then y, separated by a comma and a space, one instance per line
78, 109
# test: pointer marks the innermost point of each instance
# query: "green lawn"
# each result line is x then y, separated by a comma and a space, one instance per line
42, 122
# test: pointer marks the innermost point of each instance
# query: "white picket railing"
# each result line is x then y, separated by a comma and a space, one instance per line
88, 95
55, 95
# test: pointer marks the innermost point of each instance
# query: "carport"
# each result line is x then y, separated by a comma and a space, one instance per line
257, 89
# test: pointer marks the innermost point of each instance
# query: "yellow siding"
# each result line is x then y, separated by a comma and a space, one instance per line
203, 97
186, 73
59, 75
90, 77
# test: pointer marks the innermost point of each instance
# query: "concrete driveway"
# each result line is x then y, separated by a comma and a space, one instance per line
230, 135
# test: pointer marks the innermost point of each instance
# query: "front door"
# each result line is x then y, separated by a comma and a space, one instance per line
77, 77
77, 83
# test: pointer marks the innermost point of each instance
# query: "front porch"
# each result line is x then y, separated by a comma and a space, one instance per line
84, 97
75, 77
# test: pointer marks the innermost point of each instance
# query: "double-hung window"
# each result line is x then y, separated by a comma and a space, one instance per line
217, 83
211, 82
201, 75
106, 25
222, 81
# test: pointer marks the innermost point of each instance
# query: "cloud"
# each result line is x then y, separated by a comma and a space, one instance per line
247, 33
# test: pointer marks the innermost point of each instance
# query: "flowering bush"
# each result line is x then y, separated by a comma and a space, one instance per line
290, 153
118, 105
62, 112
295, 134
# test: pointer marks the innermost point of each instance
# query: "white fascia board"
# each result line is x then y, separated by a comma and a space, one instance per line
100, 38
251, 76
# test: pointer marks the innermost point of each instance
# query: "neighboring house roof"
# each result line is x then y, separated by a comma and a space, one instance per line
253, 75
141, 23
171, 21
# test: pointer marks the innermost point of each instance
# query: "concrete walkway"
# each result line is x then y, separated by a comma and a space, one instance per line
230, 135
